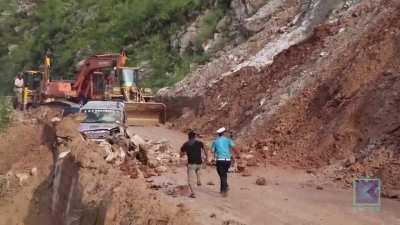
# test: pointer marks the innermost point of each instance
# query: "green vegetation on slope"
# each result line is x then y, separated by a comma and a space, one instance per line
75, 29
5, 114
208, 24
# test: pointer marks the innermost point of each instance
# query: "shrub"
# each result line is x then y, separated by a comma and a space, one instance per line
208, 25
5, 113
75, 29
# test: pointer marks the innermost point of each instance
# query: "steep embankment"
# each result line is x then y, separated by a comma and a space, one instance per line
50, 175
26, 163
328, 100
89, 189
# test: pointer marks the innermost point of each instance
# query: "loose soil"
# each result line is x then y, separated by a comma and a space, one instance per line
27, 144
329, 100
291, 196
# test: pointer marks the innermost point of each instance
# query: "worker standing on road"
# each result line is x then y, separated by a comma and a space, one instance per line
193, 149
223, 148
18, 90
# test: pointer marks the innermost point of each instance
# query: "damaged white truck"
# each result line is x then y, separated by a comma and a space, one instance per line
103, 120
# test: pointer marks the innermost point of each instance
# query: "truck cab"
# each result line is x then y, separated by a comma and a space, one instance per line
103, 120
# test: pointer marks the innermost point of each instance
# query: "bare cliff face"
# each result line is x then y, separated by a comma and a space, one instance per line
315, 87
273, 28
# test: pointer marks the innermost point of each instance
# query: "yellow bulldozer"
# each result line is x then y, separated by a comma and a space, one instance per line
32, 88
140, 107
100, 77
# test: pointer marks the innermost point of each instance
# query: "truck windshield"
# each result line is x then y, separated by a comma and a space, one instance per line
102, 116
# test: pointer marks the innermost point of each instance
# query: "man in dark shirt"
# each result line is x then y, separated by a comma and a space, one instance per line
193, 149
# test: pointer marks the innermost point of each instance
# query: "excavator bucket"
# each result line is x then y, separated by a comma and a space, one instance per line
145, 113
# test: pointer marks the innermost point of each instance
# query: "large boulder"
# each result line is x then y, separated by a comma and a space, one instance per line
137, 140
22, 178
261, 181
257, 22
188, 39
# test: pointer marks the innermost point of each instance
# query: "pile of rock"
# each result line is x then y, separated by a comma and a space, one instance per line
113, 153
249, 159
139, 157
160, 153
155, 154
246, 160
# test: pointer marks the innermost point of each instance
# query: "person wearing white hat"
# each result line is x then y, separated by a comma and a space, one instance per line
195, 151
223, 148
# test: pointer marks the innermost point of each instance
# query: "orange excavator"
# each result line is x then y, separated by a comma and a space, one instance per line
104, 77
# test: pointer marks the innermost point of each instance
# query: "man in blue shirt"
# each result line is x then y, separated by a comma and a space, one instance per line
223, 148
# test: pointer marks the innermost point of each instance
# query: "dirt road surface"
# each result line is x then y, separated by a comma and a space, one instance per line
290, 196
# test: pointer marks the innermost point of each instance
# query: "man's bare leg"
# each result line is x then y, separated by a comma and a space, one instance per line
198, 177
190, 171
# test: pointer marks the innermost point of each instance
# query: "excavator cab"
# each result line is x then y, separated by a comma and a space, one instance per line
140, 108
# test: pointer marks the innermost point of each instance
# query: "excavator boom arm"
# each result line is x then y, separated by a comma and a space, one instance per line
94, 63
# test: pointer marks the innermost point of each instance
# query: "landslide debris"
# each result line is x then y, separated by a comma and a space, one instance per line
328, 102
26, 160
89, 189
51, 175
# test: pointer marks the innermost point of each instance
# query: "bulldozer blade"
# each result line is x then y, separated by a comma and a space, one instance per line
145, 113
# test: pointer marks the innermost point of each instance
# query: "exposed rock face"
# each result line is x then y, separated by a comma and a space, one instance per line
310, 90
196, 83
26, 7
188, 39
230, 29
256, 22
258, 50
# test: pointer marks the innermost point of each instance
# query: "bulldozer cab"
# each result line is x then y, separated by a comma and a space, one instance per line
32, 79
32, 88
128, 76
123, 78
129, 84
140, 109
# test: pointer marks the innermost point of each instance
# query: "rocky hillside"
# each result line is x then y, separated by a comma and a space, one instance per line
315, 86
167, 39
